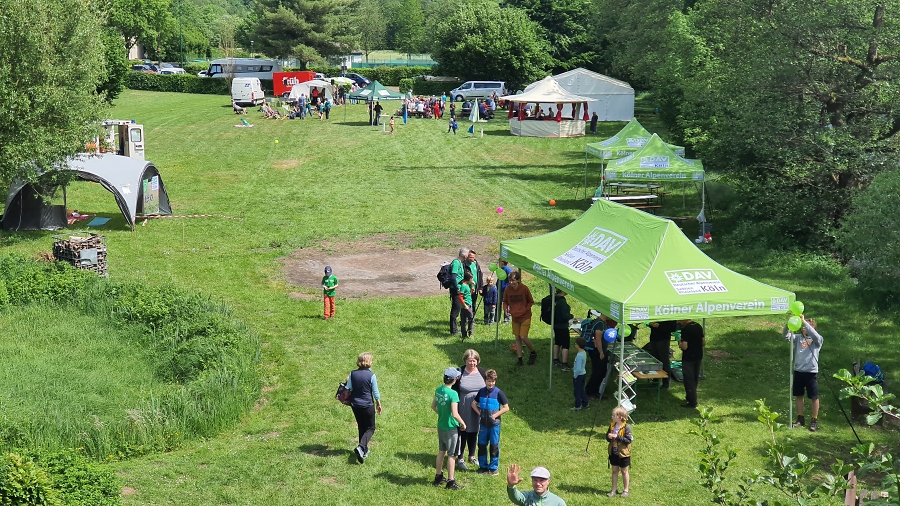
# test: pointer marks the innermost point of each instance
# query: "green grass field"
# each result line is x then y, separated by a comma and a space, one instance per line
344, 180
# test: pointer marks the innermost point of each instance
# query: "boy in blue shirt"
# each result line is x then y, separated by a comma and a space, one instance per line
489, 294
490, 403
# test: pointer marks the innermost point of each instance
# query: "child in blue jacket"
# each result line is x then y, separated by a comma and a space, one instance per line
489, 294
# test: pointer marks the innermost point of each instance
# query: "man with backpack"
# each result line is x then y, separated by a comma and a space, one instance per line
561, 338
457, 267
474, 267
592, 329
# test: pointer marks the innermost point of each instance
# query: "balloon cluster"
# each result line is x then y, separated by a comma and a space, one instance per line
496, 269
795, 322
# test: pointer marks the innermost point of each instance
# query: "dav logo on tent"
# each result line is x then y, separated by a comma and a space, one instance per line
655, 162
636, 142
615, 311
779, 304
504, 252
593, 250
694, 281
638, 312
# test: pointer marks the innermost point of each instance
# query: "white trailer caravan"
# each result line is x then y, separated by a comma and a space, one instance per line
123, 137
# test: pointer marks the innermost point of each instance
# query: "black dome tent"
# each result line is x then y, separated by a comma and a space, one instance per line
124, 177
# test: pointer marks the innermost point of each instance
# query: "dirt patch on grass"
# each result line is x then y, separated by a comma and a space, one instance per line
718, 355
392, 265
291, 163
127, 491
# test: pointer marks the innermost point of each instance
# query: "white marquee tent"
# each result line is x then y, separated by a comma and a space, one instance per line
611, 99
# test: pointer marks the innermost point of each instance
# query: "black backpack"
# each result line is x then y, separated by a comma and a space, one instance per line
546, 307
445, 277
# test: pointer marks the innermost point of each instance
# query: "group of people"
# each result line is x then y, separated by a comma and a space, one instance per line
469, 408
470, 285
301, 108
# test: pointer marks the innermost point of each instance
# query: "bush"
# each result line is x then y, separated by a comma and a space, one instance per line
869, 236
23, 482
406, 84
178, 83
423, 87
79, 482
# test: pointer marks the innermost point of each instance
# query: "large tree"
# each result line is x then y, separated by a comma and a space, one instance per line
309, 30
370, 26
139, 21
410, 36
794, 100
51, 64
509, 48
567, 26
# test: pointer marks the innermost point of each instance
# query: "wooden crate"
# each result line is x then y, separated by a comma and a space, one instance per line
88, 253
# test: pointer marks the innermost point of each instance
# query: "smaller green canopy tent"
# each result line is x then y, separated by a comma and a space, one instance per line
375, 91
636, 267
655, 161
628, 140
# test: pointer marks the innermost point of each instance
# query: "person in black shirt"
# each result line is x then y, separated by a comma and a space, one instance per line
660, 337
692, 343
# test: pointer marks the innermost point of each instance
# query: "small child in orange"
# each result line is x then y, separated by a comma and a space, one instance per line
392, 125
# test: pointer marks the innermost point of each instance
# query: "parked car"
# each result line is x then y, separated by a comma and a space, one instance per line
145, 68
202, 73
478, 89
171, 71
360, 81
320, 76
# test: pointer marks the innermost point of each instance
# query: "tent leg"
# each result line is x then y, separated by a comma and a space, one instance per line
552, 319
703, 362
790, 419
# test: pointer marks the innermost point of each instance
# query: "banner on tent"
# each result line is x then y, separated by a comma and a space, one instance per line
596, 247
694, 281
552, 277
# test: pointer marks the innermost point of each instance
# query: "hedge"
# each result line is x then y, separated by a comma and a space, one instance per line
179, 83
423, 87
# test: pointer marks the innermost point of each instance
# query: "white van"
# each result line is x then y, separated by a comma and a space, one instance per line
478, 89
247, 91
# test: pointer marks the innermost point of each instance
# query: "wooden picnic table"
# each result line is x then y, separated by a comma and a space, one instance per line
629, 187
642, 202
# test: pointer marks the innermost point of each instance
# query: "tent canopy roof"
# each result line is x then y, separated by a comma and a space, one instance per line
629, 139
635, 267
545, 91
588, 83
377, 91
305, 88
121, 175
655, 161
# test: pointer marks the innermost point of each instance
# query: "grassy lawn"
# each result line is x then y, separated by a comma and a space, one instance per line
342, 179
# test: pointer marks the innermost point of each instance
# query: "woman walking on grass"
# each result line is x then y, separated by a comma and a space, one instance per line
365, 401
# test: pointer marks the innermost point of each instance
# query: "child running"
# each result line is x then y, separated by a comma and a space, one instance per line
620, 438
446, 405
490, 403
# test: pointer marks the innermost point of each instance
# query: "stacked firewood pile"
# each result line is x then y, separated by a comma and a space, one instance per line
88, 253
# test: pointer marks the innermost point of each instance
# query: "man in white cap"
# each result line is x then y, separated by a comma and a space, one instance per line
540, 482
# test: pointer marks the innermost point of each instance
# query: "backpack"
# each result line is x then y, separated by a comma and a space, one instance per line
445, 276
546, 305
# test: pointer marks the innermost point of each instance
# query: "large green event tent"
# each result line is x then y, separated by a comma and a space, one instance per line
635, 267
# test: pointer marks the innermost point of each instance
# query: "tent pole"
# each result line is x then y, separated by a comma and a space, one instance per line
790, 420
621, 370
703, 362
585, 175
497, 311
552, 321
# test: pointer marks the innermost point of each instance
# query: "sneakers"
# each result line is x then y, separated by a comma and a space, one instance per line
556, 362
814, 425
564, 367
483, 470
493, 472
461, 465
519, 363
576, 409
473, 459
625, 494
800, 422
452, 485
439, 480
612, 493
532, 358
360, 456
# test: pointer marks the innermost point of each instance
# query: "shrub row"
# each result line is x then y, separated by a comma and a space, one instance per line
60, 478
388, 76
178, 83
423, 87
209, 359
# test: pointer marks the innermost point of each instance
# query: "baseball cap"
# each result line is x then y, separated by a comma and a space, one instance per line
452, 372
540, 472
328, 270
596, 313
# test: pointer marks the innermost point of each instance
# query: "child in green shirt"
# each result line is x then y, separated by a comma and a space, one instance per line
465, 296
446, 405
329, 286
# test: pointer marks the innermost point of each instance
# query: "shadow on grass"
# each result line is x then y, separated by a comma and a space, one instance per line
323, 451
577, 489
425, 460
403, 480
434, 328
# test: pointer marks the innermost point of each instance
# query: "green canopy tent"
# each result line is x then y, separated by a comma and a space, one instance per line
375, 91
656, 161
636, 267
629, 139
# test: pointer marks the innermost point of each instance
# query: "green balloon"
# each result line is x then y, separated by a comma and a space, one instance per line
797, 308
626, 331
492, 267
794, 323
501, 275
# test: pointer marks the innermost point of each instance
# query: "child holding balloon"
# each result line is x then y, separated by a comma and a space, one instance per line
807, 344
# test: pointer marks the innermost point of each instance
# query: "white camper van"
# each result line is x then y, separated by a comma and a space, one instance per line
247, 91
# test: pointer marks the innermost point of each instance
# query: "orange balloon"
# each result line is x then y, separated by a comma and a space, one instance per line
552, 202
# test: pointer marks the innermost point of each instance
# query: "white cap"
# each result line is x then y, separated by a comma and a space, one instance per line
596, 313
452, 373
540, 472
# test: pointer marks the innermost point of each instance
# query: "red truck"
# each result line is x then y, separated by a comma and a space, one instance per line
284, 81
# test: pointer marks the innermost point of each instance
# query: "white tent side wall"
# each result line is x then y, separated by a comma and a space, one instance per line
611, 99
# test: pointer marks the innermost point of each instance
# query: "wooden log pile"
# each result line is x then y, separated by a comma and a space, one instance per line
80, 252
